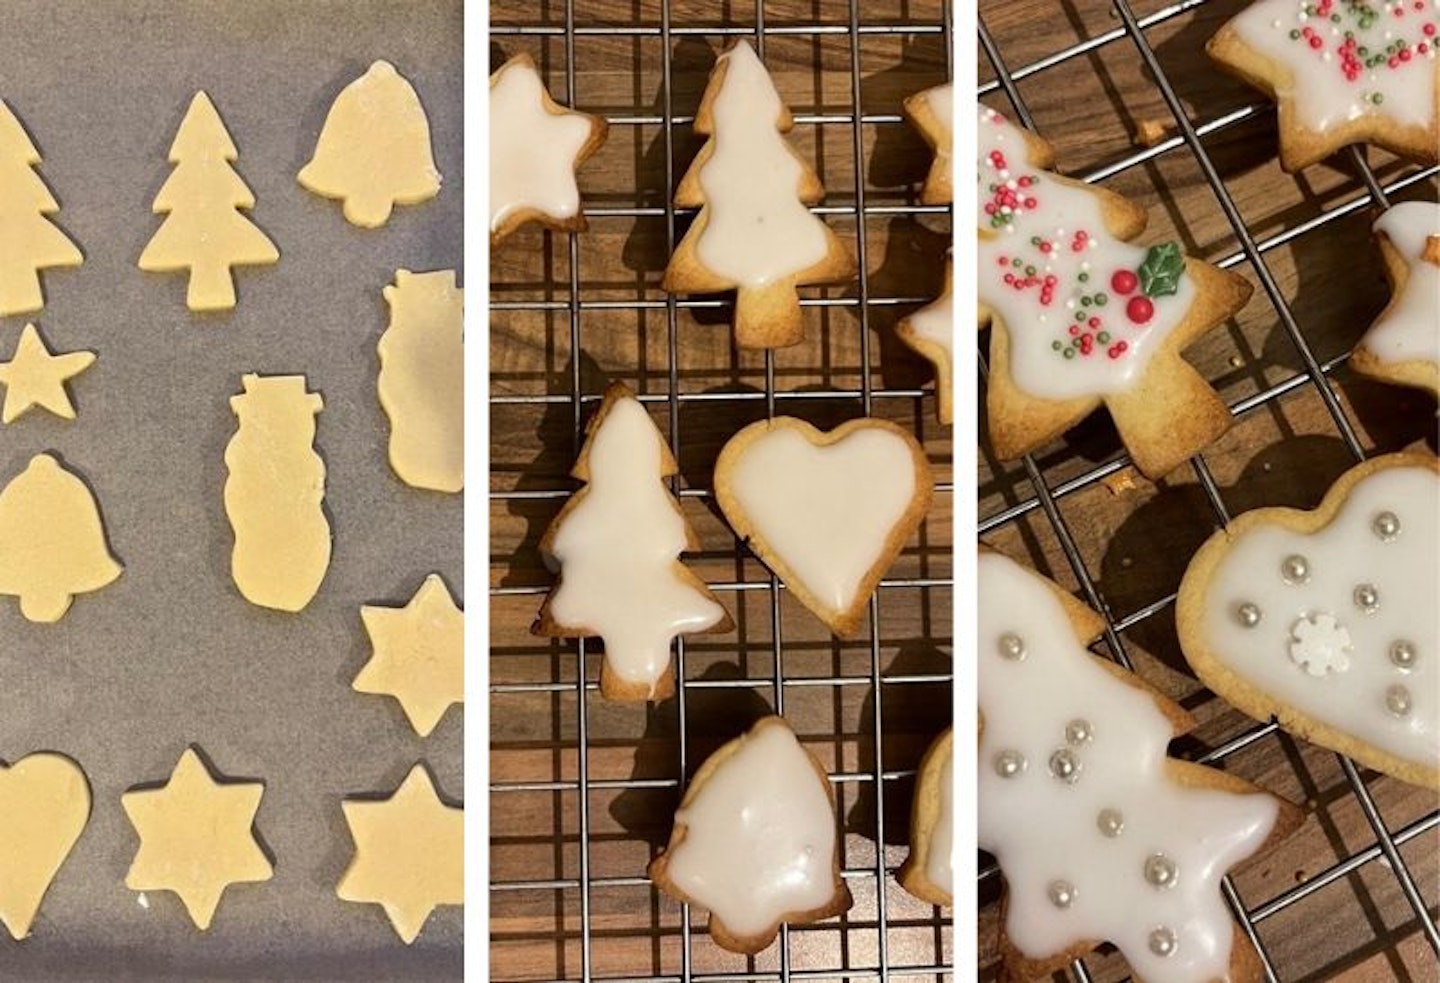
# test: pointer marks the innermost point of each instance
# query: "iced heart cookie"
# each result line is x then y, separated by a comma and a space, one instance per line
1101, 836
828, 512
374, 149
928, 872
29, 241
931, 332
755, 840
933, 113
1403, 345
418, 654
617, 545
1325, 620
1342, 72
535, 146
754, 233
1082, 318
44, 806
36, 378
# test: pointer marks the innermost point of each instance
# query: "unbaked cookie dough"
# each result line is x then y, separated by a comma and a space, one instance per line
35, 377
29, 242
374, 150
44, 806
409, 853
419, 654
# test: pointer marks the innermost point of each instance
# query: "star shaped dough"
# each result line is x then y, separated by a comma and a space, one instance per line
34, 377
409, 853
196, 837
535, 146
419, 654
931, 332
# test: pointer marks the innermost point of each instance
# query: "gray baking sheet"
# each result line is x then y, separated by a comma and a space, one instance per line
171, 654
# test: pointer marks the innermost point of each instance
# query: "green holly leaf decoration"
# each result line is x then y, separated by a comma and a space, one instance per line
1160, 273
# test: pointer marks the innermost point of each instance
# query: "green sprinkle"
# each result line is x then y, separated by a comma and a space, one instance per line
1378, 98
1104, 337
1034, 240
1069, 353
1101, 299
1294, 35
1084, 277
1056, 345
1079, 316
1085, 301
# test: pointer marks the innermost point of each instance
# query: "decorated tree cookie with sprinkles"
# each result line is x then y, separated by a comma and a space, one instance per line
1100, 836
1082, 317
1341, 72
1326, 620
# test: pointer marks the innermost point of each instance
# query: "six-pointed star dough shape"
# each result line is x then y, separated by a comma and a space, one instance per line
196, 837
34, 377
419, 656
409, 853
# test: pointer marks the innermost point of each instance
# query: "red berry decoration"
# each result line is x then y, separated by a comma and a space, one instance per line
1124, 282
1140, 309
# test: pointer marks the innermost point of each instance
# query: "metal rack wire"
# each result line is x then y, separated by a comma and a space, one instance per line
862, 300
1191, 139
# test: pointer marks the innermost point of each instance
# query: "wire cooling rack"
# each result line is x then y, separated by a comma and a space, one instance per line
1315, 377
595, 915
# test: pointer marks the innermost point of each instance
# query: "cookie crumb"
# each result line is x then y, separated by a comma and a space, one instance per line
1152, 132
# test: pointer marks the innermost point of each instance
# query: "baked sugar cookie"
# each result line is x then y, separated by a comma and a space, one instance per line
1081, 318
34, 377
928, 872
44, 807
931, 332
1101, 837
1341, 72
1325, 620
29, 241
933, 113
754, 233
536, 144
1403, 345
755, 840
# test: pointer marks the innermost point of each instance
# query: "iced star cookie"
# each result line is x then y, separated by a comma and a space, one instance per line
755, 233
828, 512
1101, 836
1403, 345
617, 545
44, 807
1325, 620
931, 332
1082, 318
755, 840
1341, 72
535, 146
928, 872
933, 113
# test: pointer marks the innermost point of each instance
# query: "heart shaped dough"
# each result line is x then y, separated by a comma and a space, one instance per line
828, 512
44, 806
1326, 620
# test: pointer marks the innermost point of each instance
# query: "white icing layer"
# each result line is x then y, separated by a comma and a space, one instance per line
1046, 832
1409, 330
759, 835
533, 152
935, 323
1323, 612
757, 228
1047, 268
939, 860
941, 101
618, 551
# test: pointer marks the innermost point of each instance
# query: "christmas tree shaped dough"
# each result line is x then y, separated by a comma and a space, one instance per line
52, 544
422, 380
204, 231
274, 493
196, 837
29, 242
931, 332
374, 150
34, 377
44, 806
419, 654
409, 854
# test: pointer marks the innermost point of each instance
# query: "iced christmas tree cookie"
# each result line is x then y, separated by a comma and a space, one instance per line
374, 149
1101, 836
536, 144
1082, 318
29, 241
34, 377
933, 113
828, 512
754, 233
1342, 72
928, 872
755, 840
931, 332
617, 545
204, 230
1326, 621
1403, 345
44, 807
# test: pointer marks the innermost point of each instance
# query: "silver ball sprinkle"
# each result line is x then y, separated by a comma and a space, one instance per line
1008, 764
1065, 766
1386, 526
1079, 731
1367, 598
1402, 654
1110, 822
1249, 614
1062, 894
1397, 701
1012, 646
1163, 942
1295, 569
1161, 871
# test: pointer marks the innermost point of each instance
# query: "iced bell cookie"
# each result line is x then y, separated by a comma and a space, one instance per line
1341, 72
928, 872
933, 113
755, 233
617, 545
1081, 318
29, 240
1101, 836
1325, 620
44, 807
931, 332
828, 512
1403, 345
535, 146
755, 840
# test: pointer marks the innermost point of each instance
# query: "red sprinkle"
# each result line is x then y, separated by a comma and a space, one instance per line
1094, 322
1429, 30
1124, 282
1140, 309
1316, 42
